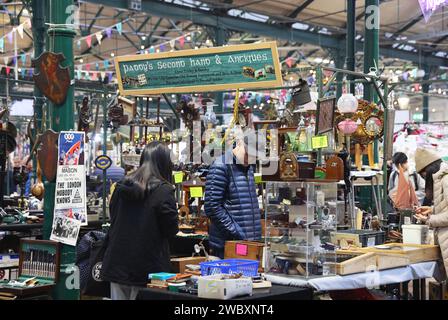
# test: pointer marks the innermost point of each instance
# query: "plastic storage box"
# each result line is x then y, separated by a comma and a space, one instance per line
415, 234
248, 268
359, 238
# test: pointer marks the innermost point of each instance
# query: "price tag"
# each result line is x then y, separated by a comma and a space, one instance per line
178, 177
196, 192
319, 142
258, 179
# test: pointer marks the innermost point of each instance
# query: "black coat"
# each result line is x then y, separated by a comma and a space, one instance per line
142, 224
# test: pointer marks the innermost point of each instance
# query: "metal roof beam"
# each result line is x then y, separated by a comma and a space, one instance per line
89, 29
408, 25
300, 8
206, 18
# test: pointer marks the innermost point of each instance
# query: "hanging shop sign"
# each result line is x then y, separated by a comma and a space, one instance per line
430, 6
52, 79
209, 69
103, 162
70, 210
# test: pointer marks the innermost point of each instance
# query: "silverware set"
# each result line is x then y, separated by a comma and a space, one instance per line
39, 263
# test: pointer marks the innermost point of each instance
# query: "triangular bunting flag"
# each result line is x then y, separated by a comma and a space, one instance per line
88, 66
78, 74
109, 32
10, 35
14, 60
30, 73
151, 50
78, 43
6, 60
182, 41
23, 73
106, 64
94, 76
99, 36
23, 58
173, 43
103, 75
119, 27
20, 30
110, 76
2, 44
162, 47
89, 41
8, 70
289, 62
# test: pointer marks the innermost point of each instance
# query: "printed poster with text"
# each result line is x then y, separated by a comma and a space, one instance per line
70, 209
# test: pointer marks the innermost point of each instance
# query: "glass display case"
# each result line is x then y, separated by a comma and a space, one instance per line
299, 220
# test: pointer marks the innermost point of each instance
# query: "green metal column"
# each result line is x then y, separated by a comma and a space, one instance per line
371, 52
425, 88
38, 23
371, 43
339, 63
220, 40
60, 40
351, 40
38, 27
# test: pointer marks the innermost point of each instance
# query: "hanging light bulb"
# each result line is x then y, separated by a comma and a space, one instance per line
347, 103
403, 102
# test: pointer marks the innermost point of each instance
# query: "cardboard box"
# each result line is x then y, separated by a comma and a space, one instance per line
178, 265
213, 287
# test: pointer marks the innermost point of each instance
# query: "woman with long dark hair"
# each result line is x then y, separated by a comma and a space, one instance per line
143, 218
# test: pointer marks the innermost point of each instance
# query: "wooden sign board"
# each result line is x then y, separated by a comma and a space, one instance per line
211, 69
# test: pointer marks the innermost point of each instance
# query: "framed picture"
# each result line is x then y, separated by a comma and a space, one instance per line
325, 115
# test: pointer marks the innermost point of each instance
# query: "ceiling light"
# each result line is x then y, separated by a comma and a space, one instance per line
144, 38
112, 54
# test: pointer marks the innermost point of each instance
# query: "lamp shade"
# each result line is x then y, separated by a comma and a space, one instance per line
347, 126
347, 103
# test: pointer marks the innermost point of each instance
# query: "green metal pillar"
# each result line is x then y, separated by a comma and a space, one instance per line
60, 40
220, 40
38, 27
425, 88
371, 52
371, 43
351, 41
339, 63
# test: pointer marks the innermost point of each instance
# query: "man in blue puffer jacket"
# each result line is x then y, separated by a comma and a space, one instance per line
231, 200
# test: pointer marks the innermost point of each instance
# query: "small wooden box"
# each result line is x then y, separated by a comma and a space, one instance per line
178, 265
250, 250
38, 259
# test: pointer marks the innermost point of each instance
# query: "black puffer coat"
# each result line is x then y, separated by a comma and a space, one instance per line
231, 203
142, 224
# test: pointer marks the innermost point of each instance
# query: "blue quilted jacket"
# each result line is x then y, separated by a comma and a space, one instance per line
231, 203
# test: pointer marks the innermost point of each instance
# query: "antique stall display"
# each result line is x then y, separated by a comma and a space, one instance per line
362, 126
251, 250
39, 265
298, 237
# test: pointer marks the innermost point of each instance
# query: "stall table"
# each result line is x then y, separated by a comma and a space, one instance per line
277, 292
417, 273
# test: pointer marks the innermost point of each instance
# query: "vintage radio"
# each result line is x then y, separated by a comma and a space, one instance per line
335, 168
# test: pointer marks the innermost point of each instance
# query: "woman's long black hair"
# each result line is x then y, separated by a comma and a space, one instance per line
155, 166
430, 170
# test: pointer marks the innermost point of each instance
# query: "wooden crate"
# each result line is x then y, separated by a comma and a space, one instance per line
250, 250
178, 265
360, 262
415, 253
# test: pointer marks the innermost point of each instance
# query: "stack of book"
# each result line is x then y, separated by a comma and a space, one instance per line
162, 280
159, 280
